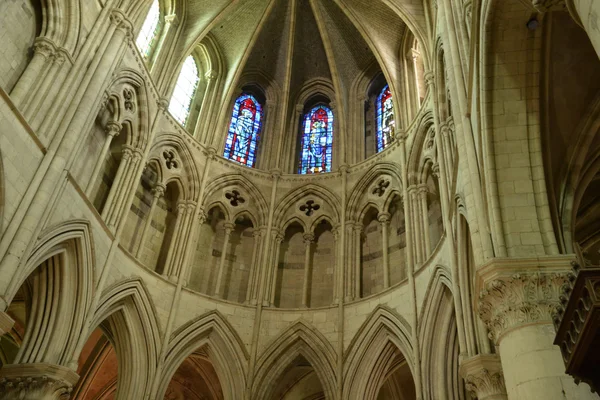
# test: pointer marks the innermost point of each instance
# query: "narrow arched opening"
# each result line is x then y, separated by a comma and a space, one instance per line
208, 252
290, 268
371, 271
195, 379
298, 381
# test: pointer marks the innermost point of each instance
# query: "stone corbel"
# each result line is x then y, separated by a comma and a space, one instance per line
36, 381
483, 377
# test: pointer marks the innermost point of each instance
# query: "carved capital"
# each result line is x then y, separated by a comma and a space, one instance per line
6, 323
159, 190
228, 226
113, 128
37, 381
549, 5
309, 238
483, 377
511, 297
44, 47
383, 217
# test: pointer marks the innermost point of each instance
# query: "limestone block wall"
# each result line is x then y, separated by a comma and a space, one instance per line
17, 39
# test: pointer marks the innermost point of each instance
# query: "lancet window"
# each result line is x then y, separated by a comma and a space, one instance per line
185, 90
149, 33
244, 130
385, 119
316, 141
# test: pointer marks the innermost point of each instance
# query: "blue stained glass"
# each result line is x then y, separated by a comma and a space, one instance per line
244, 131
317, 141
385, 119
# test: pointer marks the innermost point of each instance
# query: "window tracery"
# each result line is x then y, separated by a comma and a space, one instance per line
244, 131
317, 141
185, 90
149, 32
385, 119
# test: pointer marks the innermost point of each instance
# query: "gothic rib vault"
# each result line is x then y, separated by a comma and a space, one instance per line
294, 199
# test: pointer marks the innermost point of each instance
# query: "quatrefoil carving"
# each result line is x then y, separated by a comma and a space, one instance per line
309, 208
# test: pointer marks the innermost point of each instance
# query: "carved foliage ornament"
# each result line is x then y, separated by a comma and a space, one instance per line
485, 383
35, 387
520, 300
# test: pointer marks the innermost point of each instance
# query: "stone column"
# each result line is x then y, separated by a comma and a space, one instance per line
309, 239
43, 49
228, 228
124, 189
278, 240
168, 267
384, 220
422, 194
516, 302
121, 171
358, 261
157, 192
483, 377
36, 381
256, 234
6, 323
337, 264
112, 129
415, 224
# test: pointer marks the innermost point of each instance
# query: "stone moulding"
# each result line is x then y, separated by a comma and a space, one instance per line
520, 292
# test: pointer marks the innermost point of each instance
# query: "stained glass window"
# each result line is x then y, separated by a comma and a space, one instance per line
185, 89
385, 119
149, 31
244, 130
317, 141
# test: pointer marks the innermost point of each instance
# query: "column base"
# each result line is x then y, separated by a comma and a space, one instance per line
483, 376
6, 323
36, 382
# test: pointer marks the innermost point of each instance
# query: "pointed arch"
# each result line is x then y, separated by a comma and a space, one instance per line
65, 252
128, 317
283, 209
257, 202
223, 346
372, 350
186, 171
300, 339
356, 200
132, 110
439, 337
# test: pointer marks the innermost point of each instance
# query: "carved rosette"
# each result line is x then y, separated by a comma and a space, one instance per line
36, 381
520, 299
483, 377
